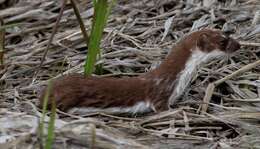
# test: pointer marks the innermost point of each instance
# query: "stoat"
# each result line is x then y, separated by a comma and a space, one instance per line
152, 91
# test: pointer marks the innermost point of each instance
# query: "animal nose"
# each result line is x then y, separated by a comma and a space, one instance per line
232, 45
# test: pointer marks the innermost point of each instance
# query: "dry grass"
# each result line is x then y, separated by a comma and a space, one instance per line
138, 35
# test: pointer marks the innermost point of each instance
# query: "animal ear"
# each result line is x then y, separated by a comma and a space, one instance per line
203, 42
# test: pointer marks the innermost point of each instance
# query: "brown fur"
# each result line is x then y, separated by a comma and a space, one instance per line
75, 90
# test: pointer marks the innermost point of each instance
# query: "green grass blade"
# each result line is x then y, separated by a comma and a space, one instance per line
94, 3
51, 127
93, 136
44, 112
7, 26
99, 22
109, 8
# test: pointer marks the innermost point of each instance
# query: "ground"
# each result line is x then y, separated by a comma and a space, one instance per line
137, 37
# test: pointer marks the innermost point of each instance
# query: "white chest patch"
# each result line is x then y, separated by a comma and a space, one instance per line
184, 78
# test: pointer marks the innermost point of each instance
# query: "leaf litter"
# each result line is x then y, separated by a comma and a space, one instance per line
139, 34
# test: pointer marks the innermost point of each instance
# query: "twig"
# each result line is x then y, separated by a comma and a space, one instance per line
81, 23
111, 116
160, 116
207, 97
239, 71
254, 44
211, 86
245, 100
67, 114
54, 30
176, 134
258, 88
2, 43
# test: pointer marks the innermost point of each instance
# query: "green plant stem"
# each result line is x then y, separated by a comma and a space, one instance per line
98, 24
51, 127
44, 112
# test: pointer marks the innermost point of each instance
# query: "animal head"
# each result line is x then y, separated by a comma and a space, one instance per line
200, 47
208, 40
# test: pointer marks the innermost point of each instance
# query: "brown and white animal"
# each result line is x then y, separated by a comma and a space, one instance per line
152, 91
